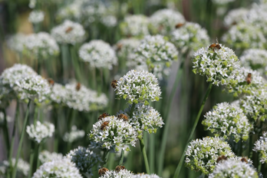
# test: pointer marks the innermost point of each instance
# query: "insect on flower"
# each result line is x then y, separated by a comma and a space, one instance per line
215, 45
102, 171
104, 125
244, 160
51, 81
103, 116
179, 25
114, 83
119, 168
78, 86
221, 158
123, 116
249, 78
69, 29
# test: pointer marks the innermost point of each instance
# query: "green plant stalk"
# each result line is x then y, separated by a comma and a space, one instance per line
152, 152
122, 157
14, 171
143, 149
259, 166
167, 123
6, 134
70, 122
178, 169
36, 156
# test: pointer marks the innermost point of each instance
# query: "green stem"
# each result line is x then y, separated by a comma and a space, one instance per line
259, 166
152, 152
6, 134
14, 172
143, 149
178, 169
122, 157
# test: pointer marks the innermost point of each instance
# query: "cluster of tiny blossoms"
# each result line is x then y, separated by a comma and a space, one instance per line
235, 16
46, 156
84, 159
22, 166
163, 21
134, 26
36, 16
113, 133
69, 33
216, 64
99, 54
57, 168
15, 42
73, 135
202, 155
189, 37
40, 131
227, 120
261, 147
233, 168
138, 87
70, 11
121, 174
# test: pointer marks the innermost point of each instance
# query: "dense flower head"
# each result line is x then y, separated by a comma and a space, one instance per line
109, 21
40, 131
22, 167
40, 45
70, 11
157, 53
23, 82
163, 21
216, 64
138, 87
69, 33
256, 59
243, 36
190, 37
113, 133
235, 16
121, 174
227, 120
36, 16
233, 168
202, 155
73, 135
125, 49
134, 26
98, 53
62, 168
46, 156
84, 159
93, 11
261, 147
16, 41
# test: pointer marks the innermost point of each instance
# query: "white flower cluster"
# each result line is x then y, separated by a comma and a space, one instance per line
46, 156
40, 45
125, 49
109, 21
113, 133
15, 42
243, 36
216, 64
256, 59
145, 118
163, 21
233, 168
73, 135
190, 37
226, 120
222, 2
261, 147
84, 159
235, 16
138, 87
62, 168
121, 174
40, 131
93, 11
98, 53
22, 166
134, 26
69, 33
157, 53
8, 118
70, 11
36, 16
145, 176
202, 155
21, 81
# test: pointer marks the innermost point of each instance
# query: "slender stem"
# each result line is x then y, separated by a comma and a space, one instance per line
178, 169
259, 166
143, 149
14, 172
6, 134
122, 157
36, 156
152, 152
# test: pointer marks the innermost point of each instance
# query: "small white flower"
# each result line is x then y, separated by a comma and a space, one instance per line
40, 131
46, 156
15, 42
70, 11
235, 16
36, 16
73, 135
121, 174
145, 176
222, 2
261, 147
22, 166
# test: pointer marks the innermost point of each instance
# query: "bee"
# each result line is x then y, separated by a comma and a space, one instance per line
249, 78
78, 86
114, 83
179, 25
118, 168
244, 160
102, 171
161, 27
119, 46
103, 116
69, 29
221, 158
51, 81
215, 45
104, 125
123, 117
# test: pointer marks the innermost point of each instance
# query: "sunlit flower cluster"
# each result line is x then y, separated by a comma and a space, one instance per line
113, 133
261, 147
138, 87
36, 16
39, 131
99, 54
202, 155
226, 120
46, 156
73, 135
